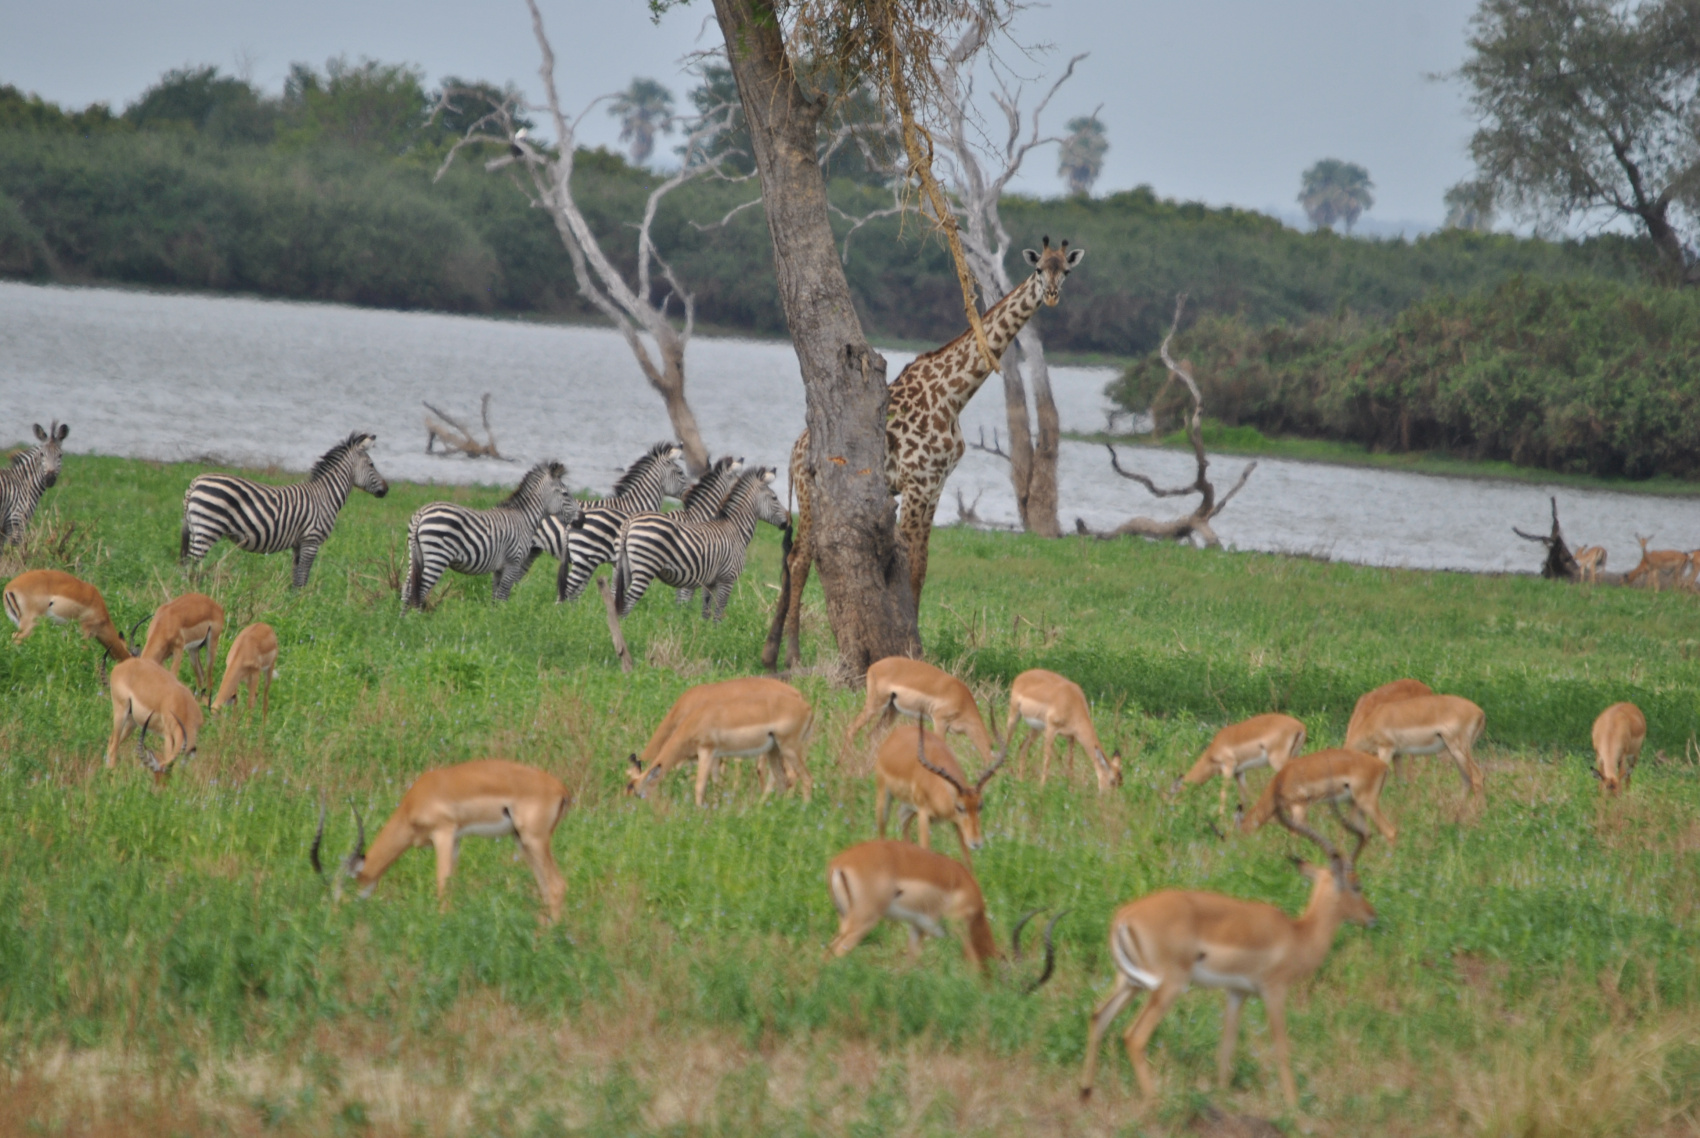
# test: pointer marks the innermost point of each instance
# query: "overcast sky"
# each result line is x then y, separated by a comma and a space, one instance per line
1221, 101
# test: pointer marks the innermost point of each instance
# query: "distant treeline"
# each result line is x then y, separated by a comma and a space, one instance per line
328, 194
1591, 377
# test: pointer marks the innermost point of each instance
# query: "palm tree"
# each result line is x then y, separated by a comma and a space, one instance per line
644, 109
1333, 190
1469, 205
1081, 158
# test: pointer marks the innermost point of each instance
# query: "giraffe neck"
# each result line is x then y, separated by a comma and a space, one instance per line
1002, 321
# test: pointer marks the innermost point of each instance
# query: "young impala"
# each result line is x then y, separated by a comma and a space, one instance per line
1049, 702
61, 598
1591, 561
1428, 725
1332, 776
191, 622
1661, 566
252, 660
754, 716
922, 889
144, 694
898, 685
915, 767
1619, 733
486, 798
1263, 740
1166, 942
1386, 693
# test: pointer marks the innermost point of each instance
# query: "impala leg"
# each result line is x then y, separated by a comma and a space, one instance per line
1068, 755
791, 758
1275, 1003
1144, 1025
705, 771
1102, 1017
541, 859
852, 927
1045, 755
447, 847
926, 833
1229, 774
122, 725
882, 807
1370, 805
1230, 1037
1472, 774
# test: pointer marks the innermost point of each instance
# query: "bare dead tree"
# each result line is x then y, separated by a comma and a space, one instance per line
632, 308
1197, 523
457, 437
1560, 564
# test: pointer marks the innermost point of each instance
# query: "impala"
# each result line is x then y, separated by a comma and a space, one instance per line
1166, 942
1047, 701
915, 767
1263, 740
487, 798
898, 685
755, 716
61, 598
1664, 566
1619, 733
191, 622
1590, 560
922, 889
1386, 693
144, 693
252, 660
1428, 725
1332, 776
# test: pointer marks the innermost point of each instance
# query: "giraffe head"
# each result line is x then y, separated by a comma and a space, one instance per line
1051, 266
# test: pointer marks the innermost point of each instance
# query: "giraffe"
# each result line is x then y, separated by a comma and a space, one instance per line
923, 438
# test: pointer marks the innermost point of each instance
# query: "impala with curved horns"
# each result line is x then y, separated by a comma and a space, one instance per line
486, 798
1057, 705
921, 889
1263, 740
1166, 942
1332, 776
189, 623
1428, 725
757, 715
1376, 697
142, 693
252, 660
62, 598
898, 685
930, 789
1619, 734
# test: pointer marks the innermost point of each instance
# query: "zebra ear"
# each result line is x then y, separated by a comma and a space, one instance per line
64, 429
39, 433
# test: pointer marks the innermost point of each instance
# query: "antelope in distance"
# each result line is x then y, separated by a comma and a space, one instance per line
486, 798
1659, 566
252, 660
62, 598
931, 787
189, 623
921, 889
1387, 693
1591, 562
898, 685
1619, 733
1055, 704
1263, 740
1428, 725
144, 693
753, 716
30, 474
1166, 942
1332, 776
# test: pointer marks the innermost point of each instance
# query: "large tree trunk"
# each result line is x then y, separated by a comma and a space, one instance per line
671, 384
863, 568
1032, 461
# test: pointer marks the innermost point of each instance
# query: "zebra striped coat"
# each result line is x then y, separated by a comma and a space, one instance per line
688, 554
31, 474
705, 497
270, 519
499, 540
588, 542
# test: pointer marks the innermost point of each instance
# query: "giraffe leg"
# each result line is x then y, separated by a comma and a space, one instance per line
920, 500
797, 556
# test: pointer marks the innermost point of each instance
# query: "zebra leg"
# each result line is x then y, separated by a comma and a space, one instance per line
571, 578
304, 554
722, 594
685, 595
507, 576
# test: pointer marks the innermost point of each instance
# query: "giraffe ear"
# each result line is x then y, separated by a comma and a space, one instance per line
1074, 257
1032, 257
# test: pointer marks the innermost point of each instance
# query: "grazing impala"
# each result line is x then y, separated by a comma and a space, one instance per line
144, 693
1619, 733
487, 798
62, 598
1428, 725
1332, 776
1263, 740
754, 716
1376, 697
1166, 942
915, 767
1661, 566
898, 685
1591, 560
1045, 700
875, 880
252, 660
191, 622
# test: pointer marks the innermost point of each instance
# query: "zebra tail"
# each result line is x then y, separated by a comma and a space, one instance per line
410, 597
622, 574
183, 542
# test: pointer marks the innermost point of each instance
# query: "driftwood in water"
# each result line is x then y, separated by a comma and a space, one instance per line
457, 437
1560, 564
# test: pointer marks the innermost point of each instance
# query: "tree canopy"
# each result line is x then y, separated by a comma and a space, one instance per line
1333, 191
1080, 159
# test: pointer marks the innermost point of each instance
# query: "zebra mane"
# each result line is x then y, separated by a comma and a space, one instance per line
328, 461
533, 478
740, 490
635, 472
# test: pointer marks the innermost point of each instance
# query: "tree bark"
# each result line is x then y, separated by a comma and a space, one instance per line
863, 567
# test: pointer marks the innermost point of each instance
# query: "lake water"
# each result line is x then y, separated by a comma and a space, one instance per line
260, 382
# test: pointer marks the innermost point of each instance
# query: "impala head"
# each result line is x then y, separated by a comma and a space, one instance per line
1611, 781
52, 449
1339, 884
1052, 266
351, 865
1110, 774
637, 781
968, 798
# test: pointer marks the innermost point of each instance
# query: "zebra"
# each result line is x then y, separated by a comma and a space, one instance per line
499, 540
588, 542
32, 473
704, 499
709, 554
270, 519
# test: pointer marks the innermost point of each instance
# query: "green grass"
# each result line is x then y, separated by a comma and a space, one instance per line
168, 961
